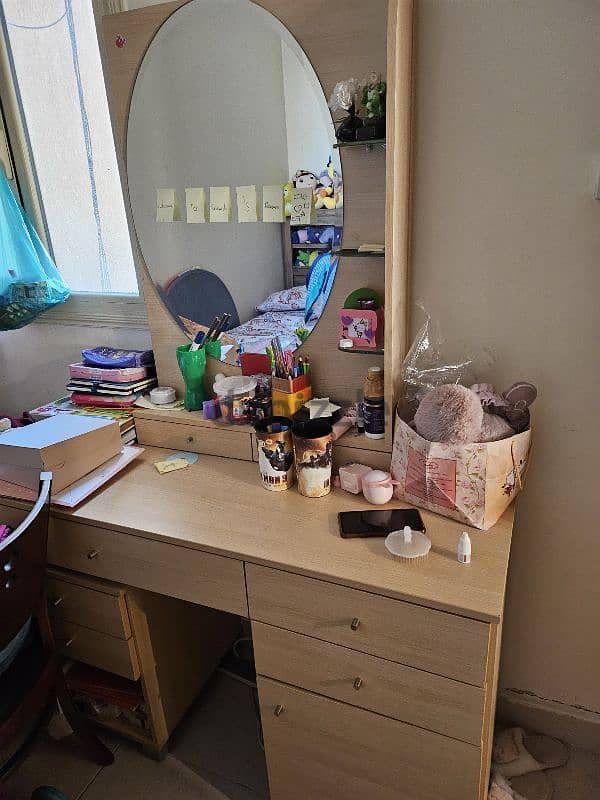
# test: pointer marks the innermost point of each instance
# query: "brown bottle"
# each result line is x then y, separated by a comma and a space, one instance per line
373, 404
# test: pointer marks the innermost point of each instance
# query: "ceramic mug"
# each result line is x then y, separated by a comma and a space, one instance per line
313, 446
275, 453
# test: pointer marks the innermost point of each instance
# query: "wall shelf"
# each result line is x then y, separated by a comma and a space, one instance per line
308, 246
352, 252
368, 144
365, 351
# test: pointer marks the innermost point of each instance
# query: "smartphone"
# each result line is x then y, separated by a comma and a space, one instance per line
361, 524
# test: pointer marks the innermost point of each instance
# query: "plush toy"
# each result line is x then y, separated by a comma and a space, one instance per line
323, 197
303, 179
456, 415
450, 413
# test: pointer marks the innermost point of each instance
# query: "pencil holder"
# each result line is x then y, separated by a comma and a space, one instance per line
213, 349
313, 447
192, 365
275, 453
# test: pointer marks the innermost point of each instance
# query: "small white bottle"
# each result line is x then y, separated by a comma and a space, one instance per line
464, 548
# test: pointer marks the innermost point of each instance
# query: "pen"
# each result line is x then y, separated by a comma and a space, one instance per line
197, 343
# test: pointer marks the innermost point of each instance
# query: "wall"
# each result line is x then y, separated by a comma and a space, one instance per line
506, 244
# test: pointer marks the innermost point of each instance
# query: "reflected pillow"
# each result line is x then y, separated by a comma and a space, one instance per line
293, 299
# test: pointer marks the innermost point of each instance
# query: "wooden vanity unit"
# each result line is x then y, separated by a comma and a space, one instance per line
376, 679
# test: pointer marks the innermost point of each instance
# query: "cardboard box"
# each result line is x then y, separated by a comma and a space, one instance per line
67, 445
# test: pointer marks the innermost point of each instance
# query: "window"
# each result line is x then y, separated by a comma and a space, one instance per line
57, 73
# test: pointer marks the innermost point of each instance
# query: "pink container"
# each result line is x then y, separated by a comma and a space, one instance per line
378, 487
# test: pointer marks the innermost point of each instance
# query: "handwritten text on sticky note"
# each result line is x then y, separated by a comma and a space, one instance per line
220, 204
301, 206
272, 204
246, 203
194, 204
165, 205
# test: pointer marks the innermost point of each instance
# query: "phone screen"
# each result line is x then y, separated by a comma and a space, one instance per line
357, 524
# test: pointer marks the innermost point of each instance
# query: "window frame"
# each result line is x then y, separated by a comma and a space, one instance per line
82, 308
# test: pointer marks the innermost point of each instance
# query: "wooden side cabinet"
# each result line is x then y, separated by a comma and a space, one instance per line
170, 646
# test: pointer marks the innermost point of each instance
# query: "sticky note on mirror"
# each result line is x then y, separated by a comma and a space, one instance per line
195, 202
165, 205
272, 204
301, 209
220, 204
246, 203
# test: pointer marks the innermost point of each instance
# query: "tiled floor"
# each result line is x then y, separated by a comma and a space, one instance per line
214, 755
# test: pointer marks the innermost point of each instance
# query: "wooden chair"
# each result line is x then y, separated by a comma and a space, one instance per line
34, 679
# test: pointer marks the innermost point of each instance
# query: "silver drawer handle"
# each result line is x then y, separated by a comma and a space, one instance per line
357, 683
93, 554
69, 642
57, 602
355, 624
278, 710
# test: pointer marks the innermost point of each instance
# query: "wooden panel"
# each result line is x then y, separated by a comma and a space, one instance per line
158, 567
179, 646
329, 39
393, 690
97, 649
211, 441
420, 637
80, 604
372, 458
319, 748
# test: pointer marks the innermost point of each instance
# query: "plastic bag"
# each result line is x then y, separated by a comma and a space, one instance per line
29, 280
423, 368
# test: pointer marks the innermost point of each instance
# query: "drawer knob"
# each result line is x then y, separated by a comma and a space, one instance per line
57, 602
355, 624
357, 683
278, 710
93, 554
190, 439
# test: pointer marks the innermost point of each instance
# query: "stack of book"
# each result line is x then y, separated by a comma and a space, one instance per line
109, 378
64, 405
105, 384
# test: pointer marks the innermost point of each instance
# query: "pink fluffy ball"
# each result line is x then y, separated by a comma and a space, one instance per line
450, 413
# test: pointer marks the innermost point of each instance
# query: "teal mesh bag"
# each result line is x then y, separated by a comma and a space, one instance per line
29, 281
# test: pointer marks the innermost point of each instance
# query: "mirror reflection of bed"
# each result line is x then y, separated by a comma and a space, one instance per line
203, 116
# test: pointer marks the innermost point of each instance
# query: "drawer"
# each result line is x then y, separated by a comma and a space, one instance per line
394, 690
97, 649
319, 748
80, 601
219, 441
169, 569
420, 637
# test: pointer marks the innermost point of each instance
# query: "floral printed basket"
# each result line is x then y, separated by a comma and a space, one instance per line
472, 483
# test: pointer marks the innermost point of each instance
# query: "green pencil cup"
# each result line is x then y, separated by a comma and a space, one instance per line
192, 366
213, 349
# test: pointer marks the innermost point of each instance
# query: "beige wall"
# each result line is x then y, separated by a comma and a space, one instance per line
507, 256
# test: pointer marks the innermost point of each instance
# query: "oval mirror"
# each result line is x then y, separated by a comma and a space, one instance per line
226, 98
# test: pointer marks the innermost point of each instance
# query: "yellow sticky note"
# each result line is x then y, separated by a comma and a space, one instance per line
302, 203
170, 466
220, 204
246, 203
272, 204
165, 205
195, 202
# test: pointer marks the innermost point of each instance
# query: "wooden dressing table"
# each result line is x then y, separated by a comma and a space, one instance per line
376, 679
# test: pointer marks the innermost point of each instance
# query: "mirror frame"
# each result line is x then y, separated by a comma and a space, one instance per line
376, 186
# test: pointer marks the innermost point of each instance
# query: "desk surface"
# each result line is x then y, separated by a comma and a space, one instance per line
219, 506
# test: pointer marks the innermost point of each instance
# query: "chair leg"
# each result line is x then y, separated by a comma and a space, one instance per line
92, 744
